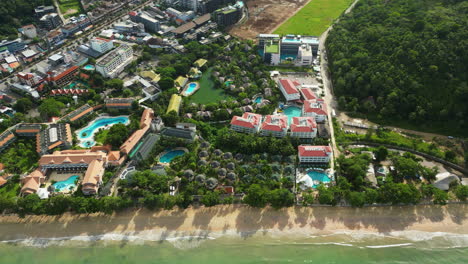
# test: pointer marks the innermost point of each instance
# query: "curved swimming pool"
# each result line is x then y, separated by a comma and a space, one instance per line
170, 155
66, 185
86, 134
318, 178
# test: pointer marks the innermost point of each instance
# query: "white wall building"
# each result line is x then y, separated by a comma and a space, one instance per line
303, 127
247, 123
275, 125
101, 45
290, 89
316, 108
304, 55
30, 31
314, 154
113, 63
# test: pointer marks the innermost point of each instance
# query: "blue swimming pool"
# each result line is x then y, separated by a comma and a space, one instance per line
66, 185
191, 88
318, 177
292, 111
170, 155
86, 134
89, 67
258, 100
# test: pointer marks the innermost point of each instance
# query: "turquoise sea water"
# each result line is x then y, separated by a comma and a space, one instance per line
86, 134
244, 249
66, 184
167, 157
292, 111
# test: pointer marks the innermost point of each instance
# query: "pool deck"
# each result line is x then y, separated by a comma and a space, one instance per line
164, 152
78, 132
55, 176
302, 176
184, 91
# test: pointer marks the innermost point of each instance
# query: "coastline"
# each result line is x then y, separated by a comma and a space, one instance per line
239, 220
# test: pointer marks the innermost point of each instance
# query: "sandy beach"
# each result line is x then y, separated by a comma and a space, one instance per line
241, 220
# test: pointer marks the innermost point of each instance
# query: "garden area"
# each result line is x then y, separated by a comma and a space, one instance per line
314, 18
208, 92
70, 8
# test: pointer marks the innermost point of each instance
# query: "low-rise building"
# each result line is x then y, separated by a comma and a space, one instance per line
119, 103
25, 89
76, 25
13, 45
247, 123
303, 127
275, 125
28, 130
308, 94
174, 103
151, 25
101, 45
50, 21
315, 108
29, 31
113, 63
28, 78
145, 126
6, 138
55, 136
290, 89
42, 10
61, 76
79, 113
314, 154
181, 133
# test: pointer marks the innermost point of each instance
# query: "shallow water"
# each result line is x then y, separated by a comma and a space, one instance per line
262, 247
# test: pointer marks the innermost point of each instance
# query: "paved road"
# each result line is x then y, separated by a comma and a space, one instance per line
328, 86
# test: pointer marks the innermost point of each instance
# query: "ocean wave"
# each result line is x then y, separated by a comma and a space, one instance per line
391, 245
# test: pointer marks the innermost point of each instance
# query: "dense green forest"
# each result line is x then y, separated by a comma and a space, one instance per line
15, 13
404, 61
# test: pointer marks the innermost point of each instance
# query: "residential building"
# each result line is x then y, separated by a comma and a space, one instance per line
119, 103
181, 133
29, 31
25, 89
13, 45
303, 127
275, 125
151, 25
209, 6
180, 82
101, 45
247, 123
128, 27
174, 103
290, 89
28, 130
28, 78
308, 94
304, 55
78, 113
50, 21
43, 10
54, 136
189, 4
314, 154
316, 108
113, 63
62, 75
229, 15
55, 36
6, 138
76, 25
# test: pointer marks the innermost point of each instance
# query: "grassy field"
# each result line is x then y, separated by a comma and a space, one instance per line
208, 93
67, 7
314, 18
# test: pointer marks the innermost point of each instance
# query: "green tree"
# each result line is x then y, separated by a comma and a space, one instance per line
117, 134
30, 204
166, 83
210, 199
461, 192
114, 84
381, 153
257, 196
357, 199
279, 198
326, 195
23, 105
440, 197
50, 107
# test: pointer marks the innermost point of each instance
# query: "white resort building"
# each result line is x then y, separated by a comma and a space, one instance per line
290, 89
113, 63
314, 154
275, 125
247, 123
303, 127
316, 108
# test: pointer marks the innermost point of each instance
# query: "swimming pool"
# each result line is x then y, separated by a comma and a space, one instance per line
86, 134
318, 177
66, 185
89, 67
170, 155
258, 100
191, 88
292, 111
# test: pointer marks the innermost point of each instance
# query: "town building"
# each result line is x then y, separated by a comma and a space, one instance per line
119, 103
62, 75
275, 125
40, 11
113, 63
28, 130
25, 89
174, 103
13, 45
229, 15
50, 21
78, 113
247, 123
76, 25
316, 108
54, 37
29, 31
303, 127
54, 136
298, 50
308, 94
101, 45
290, 89
145, 126
314, 154
28, 78
151, 25
6, 138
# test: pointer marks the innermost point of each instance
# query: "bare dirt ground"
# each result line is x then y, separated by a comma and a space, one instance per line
265, 16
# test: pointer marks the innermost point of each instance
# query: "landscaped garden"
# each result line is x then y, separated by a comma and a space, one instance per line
70, 7
314, 18
208, 92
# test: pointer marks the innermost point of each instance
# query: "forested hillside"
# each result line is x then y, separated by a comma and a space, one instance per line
15, 13
404, 61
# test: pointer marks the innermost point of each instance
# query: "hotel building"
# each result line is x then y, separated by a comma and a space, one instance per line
290, 89
247, 123
316, 108
314, 154
303, 127
113, 63
275, 125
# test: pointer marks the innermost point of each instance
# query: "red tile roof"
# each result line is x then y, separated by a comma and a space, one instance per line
317, 106
289, 86
247, 120
308, 94
303, 124
64, 73
275, 123
314, 151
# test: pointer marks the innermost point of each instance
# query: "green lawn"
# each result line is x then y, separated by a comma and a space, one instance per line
66, 5
208, 93
314, 18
